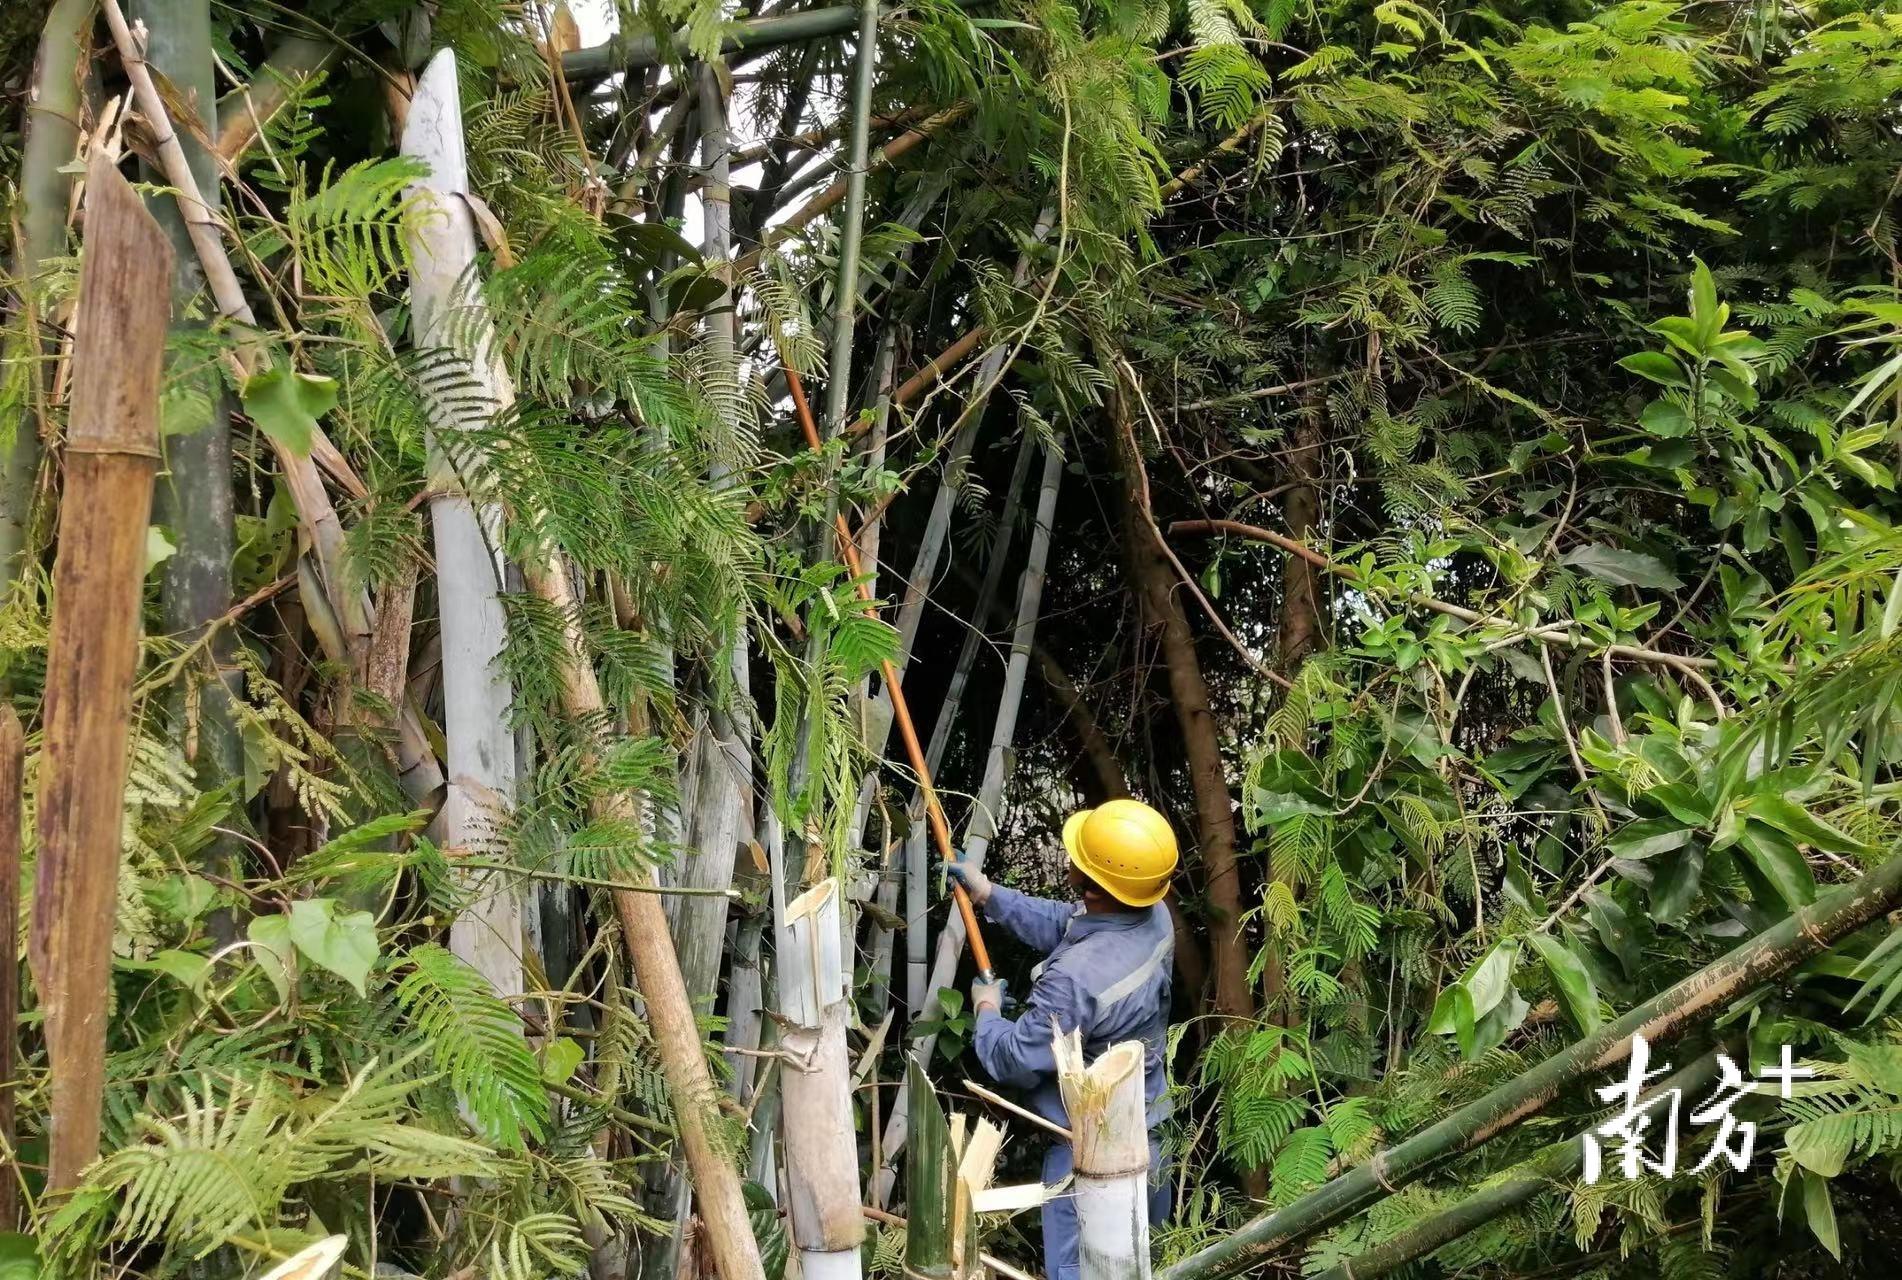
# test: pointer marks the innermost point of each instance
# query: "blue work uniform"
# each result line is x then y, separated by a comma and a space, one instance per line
1107, 974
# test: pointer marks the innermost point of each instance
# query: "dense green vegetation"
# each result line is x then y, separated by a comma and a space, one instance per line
1476, 529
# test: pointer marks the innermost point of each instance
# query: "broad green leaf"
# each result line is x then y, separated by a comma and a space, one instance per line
1771, 852
1821, 1214
345, 945
1572, 978
1675, 884
1821, 1146
1622, 568
158, 547
1615, 930
184, 967
19, 1256
1658, 367
1800, 824
271, 947
285, 404
1665, 419
1648, 838
1491, 978
1707, 313
561, 1059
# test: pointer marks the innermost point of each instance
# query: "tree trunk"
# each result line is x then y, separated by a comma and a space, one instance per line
470, 570
111, 452
990, 796
1690, 1003
54, 102
1155, 582
1301, 628
1303, 607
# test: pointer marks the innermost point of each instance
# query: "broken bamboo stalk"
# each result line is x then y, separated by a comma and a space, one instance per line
111, 454
815, 1081
1104, 1100
1690, 1003
12, 814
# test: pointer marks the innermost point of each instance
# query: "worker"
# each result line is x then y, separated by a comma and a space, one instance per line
1106, 972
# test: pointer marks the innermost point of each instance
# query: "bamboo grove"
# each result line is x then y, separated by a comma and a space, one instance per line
1442, 456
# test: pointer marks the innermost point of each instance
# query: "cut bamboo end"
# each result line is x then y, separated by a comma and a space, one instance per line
813, 979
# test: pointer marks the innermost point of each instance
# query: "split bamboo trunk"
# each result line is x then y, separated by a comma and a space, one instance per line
1110, 1138
111, 454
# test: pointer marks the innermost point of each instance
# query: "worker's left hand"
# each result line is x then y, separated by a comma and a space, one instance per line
975, 882
987, 995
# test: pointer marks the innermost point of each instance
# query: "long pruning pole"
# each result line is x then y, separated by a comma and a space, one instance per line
1695, 1000
914, 750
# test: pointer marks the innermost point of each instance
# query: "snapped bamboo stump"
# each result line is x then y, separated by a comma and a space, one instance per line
111, 454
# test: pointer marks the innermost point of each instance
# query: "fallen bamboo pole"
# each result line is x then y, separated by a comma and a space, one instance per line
12, 814
111, 455
1554, 1165
1689, 1003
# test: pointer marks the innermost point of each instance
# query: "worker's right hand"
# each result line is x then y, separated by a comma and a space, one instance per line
966, 873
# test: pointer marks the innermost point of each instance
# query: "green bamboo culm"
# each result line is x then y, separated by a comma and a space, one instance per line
1556, 1164
1690, 1003
930, 1179
52, 140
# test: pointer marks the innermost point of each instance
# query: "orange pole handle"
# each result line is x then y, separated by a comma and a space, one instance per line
940, 829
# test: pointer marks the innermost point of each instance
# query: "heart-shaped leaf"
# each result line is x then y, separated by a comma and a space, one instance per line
286, 404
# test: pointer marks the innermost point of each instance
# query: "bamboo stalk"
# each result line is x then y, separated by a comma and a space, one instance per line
931, 1181
52, 138
194, 498
1689, 1003
111, 453
1554, 1165
852, 226
1104, 1100
990, 795
12, 815
633, 53
470, 569
722, 761
816, 1121
243, 113
417, 769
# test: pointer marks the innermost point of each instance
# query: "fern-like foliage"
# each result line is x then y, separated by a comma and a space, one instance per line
476, 1041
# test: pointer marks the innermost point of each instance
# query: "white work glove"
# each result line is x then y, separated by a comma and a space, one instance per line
975, 882
987, 995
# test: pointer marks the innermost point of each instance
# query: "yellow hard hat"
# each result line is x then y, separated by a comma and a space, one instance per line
1126, 847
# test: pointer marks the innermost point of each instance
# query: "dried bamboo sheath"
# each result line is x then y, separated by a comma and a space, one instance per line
111, 454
